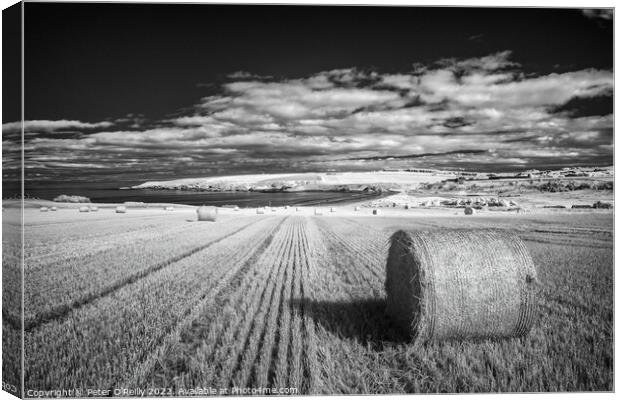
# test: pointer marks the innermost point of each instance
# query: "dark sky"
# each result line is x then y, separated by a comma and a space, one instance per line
113, 87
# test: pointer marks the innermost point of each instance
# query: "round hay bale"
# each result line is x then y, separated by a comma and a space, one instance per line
44, 209
332, 209
286, 207
469, 211
460, 284
168, 208
357, 208
236, 208
53, 208
406, 206
273, 210
121, 210
375, 211
94, 209
260, 211
207, 213
297, 208
84, 209
318, 211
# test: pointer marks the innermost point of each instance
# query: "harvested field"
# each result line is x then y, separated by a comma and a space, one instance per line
291, 300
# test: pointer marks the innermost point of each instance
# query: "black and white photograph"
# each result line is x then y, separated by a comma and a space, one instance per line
212, 200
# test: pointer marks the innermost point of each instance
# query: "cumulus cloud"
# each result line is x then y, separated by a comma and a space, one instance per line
475, 113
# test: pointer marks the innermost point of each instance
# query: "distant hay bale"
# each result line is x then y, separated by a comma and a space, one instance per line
460, 284
44, 209
260, 211
357, 208
94, 208
168, 208
121, 210
469, 211
297, 208
375, 211
236, 208
286, 207
406, 206
274, 210
332, 209
53, 209
318, 211
207, 213
84, 209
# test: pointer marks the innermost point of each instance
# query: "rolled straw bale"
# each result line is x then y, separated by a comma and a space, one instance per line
94, 208
53, 208
44, 209
286, 207
375, 211
297, 208
357, 208
168, 208
318, 211
460, 284
273, 210
469, 211
236, 208
260, 211
207, 213
121, 210
332, 209
84, 209
406, 206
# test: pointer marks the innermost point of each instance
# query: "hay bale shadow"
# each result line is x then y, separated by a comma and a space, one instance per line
363, 320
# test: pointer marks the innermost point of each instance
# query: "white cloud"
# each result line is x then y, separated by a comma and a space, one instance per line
50, 126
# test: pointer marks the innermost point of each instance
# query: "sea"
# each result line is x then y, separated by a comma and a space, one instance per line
110, 192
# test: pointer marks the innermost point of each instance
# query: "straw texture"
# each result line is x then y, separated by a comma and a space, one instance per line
121, 210
84, 209
460, 284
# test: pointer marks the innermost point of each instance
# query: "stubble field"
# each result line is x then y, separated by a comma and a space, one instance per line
288, 300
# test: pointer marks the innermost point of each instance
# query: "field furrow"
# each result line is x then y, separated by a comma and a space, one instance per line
294, 356
294, 300
189, 346
238, 331
307, 381
55, 290
131, 323
245, 362
206, 345
276, 309
68, 248
357, 267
